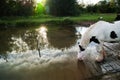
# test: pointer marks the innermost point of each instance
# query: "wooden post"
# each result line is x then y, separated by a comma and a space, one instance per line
38, 47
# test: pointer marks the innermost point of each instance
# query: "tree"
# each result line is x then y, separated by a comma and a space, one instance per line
24, 8
40, 9
62, 7
118, 6
92, 8
107, 6
112, 6
16, 7
3, 7
102, 6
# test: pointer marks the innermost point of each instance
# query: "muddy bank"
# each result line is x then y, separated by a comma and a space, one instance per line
86, 23
50, 22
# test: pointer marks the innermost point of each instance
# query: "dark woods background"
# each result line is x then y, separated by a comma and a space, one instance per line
56, 7
16, 7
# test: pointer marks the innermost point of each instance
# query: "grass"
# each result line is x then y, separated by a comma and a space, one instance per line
94, 17
45, 19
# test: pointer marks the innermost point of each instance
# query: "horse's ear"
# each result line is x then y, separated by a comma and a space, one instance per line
81, 48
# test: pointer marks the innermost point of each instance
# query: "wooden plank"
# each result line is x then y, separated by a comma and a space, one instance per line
107, 67
103, 69
94, 68
118, 63
114, 65
109, 59
110, 65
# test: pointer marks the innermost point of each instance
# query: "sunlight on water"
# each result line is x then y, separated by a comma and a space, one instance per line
28, 64
42, 36
80, 30
54, 64
20, 45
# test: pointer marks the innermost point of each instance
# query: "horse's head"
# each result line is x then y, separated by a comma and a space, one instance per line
92, 52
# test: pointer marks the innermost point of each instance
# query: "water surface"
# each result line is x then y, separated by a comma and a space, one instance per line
57, 45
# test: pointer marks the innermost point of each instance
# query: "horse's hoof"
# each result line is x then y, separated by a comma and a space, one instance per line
80, 60
102, 61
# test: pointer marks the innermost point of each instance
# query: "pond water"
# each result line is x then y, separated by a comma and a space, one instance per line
21, 49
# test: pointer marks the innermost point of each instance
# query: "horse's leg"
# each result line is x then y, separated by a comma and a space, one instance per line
103, 50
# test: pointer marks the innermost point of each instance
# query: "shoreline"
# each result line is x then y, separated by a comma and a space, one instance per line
83, 19
30, 24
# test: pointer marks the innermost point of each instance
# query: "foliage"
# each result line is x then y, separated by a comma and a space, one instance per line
16, 7
103, 7
118, 6
55, 7
62, 7
91, 9
107, 7
37, 20
39, 10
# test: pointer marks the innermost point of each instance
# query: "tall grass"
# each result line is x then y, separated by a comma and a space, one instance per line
46, 19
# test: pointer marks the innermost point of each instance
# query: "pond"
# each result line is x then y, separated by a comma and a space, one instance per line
21, 49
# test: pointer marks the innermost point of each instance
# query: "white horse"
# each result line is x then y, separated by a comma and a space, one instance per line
93, 52
99, 33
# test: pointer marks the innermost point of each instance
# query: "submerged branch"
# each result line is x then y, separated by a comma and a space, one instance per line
38, 48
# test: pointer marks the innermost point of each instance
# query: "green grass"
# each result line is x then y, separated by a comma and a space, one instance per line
45, 19
94, 17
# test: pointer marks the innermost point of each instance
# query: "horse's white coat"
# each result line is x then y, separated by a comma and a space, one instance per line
92, 52
102, 31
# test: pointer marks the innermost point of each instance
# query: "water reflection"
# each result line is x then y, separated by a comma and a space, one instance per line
21, 40
5, 38
80, 30
62, 37
19, 45
54, 64
42, 36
